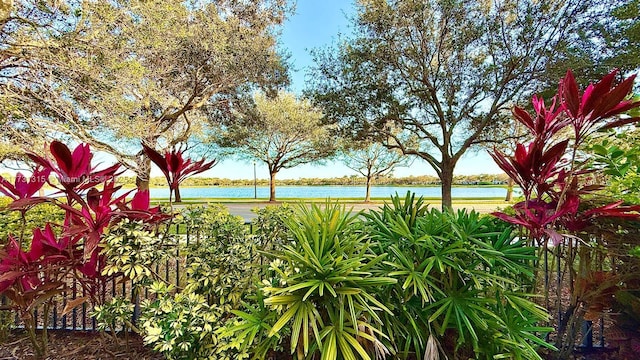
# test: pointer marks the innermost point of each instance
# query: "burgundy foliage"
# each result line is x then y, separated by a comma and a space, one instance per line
60, 253
546, 170
176, 168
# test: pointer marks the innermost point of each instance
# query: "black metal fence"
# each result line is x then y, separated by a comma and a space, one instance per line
561, 267
79, 317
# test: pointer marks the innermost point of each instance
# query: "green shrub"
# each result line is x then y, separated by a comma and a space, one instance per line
459, 283
133, 250
36, 217
7, 322
114, 314
220, 263
325, 292
182, 325
270, 228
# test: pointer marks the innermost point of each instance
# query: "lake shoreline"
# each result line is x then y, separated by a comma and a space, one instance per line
353, 193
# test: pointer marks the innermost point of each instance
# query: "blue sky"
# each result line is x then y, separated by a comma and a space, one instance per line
317, 24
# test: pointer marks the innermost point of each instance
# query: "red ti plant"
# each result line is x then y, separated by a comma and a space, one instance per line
62, 253
23, 190
176, 168
547, 170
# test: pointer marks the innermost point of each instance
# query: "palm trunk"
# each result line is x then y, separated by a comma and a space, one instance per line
177, 194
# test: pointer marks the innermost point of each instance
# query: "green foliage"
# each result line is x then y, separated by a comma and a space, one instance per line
107, 51
210, 220
249, 331
617, 157
459, 279
133, 250
325, 295
282, 131
182, 325
403, 280
431, 77
36, 217
270, 228
220, 260
371, 160
114, 314
7, 322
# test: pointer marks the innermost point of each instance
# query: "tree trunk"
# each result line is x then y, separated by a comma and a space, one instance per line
143, 171
177, 194
509, 196
142, 184
367, 197
446, 178
272, 186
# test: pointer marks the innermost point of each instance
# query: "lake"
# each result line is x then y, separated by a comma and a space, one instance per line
282, 192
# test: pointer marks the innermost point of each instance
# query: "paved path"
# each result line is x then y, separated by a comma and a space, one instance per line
244, 209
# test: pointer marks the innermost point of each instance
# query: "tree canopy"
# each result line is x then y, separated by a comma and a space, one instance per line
444, 72
120, 73
283, 132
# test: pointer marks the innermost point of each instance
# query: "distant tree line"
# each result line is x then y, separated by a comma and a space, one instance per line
353, 180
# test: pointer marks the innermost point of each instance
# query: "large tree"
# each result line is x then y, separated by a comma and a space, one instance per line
443, 71
282, 131
119, 73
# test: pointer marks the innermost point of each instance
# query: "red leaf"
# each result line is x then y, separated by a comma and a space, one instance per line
93, 199
157, 159
7, 188
140, 200
524, 117
63, 156
510, 219
81, 160
569, 94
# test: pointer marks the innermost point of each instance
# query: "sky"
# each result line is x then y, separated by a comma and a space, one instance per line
317, 24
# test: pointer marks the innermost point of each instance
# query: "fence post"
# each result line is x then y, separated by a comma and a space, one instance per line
587, 334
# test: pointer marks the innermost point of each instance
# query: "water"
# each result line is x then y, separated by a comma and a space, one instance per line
247, 192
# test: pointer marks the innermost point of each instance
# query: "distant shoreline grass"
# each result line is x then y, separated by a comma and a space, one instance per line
484, 200
322, 185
